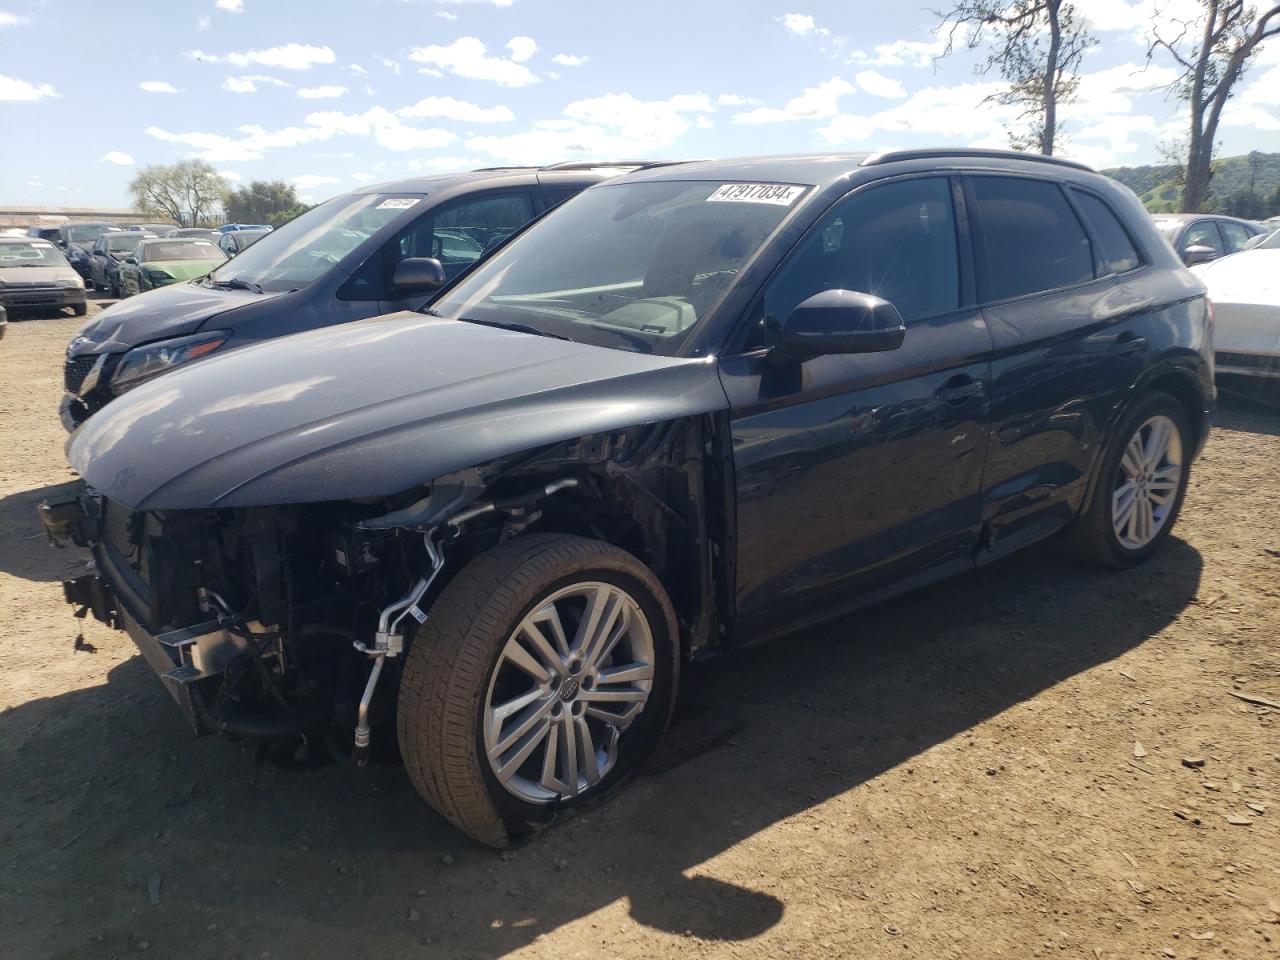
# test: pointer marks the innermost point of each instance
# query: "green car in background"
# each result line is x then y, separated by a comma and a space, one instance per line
165, 260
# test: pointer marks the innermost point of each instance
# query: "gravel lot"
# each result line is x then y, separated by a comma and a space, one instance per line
991, 768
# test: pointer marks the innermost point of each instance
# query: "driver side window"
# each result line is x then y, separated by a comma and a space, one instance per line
895, 240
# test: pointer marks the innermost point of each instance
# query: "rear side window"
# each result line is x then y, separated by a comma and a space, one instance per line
1234, 235
1115, 250
1032, 239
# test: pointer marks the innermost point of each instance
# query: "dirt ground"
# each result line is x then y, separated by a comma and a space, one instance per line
991, 768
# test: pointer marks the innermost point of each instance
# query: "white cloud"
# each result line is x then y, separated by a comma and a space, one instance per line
12, 88
116, 157
522, 48
444, 164
797, 23
231, 6
290, 56
466, 57
815, 103
447, 108
954, 112
734, 100
362, 177
231, 175
446, 15
617, 125
321, 93
249, 84
11, 19
496, 3
203, 22
356, 69
878, 85
309, 181
904, 53
569, 60
157, 86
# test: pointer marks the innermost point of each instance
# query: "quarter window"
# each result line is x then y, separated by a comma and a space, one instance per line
1032, 239
1115, 250
897, 241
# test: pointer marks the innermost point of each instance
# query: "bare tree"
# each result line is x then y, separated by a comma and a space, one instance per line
1036, 46
188, 192
1212, 51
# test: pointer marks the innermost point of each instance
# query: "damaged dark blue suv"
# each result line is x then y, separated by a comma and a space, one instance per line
693, 407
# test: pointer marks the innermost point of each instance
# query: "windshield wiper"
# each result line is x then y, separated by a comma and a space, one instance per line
236, 283
517, 327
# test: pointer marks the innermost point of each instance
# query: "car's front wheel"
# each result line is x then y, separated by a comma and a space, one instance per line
1142, 483
542, 680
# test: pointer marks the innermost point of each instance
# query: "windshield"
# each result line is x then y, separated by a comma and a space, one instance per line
306, 247
633, 265
84, 232
122, 241
185, 250
30, 255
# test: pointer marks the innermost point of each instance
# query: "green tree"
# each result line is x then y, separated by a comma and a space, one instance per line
263, 201
1036, 46
187, 192
1212, 52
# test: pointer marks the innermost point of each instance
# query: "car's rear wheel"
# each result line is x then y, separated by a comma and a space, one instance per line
1142, 483
542, 680
80, 309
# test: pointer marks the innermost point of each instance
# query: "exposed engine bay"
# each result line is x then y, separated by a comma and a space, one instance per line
279, 622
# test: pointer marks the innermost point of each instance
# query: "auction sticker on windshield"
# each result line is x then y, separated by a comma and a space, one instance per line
398, 203
775, 193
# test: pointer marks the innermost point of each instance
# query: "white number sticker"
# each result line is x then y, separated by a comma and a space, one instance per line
775, 193
398, 203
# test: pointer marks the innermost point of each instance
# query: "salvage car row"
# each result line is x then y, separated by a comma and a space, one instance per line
570, 446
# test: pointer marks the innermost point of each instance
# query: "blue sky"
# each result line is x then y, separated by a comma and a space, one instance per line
330, 95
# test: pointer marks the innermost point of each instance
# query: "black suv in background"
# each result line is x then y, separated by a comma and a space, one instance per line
355, 256
693, 407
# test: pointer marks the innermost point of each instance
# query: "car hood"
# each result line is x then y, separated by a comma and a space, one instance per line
19, 276
183, 269
171, 311
368, 409
1252, 276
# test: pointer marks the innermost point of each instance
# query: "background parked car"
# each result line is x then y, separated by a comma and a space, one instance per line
77, 239
44, 233
233, 227
239, 240
158, 229
106, 255
204, 233
34, 275
1245, 292
166, 260
355, 256
1200, 238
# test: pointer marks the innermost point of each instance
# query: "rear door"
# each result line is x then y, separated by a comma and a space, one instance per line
1066, 346
1234, 236
861, 473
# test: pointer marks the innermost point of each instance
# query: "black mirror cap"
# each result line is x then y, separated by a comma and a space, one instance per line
1198, 254
841, 321
418, 275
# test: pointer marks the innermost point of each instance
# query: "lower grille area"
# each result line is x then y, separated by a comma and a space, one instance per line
77, 368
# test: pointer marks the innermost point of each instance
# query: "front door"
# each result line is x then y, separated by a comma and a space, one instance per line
860, 474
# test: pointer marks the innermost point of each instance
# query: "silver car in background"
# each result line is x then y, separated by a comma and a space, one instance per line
34, 275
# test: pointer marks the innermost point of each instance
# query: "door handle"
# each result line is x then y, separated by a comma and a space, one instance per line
960, 388
1128, 344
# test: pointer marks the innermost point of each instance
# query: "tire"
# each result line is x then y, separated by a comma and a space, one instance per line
1096, 535
115, 289
80, 309
459, 667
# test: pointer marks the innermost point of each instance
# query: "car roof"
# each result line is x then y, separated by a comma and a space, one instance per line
828, 168
563, 173
1188, 217
172, 239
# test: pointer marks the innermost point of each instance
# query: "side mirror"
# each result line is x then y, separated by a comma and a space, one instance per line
418, 275
840, 321
1198, 254
1254, 241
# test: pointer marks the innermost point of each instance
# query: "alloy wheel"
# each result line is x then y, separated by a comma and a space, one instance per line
571, 678
1151, 473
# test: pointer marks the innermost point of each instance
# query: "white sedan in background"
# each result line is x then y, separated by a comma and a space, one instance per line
1245, 291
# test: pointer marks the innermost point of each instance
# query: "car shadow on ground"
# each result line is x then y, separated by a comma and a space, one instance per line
1253, 409
113, 809
20, 527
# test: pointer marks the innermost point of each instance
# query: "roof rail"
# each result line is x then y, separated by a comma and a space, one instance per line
891, 156
596, 164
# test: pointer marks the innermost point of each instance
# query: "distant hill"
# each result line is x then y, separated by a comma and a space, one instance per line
1157, 185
